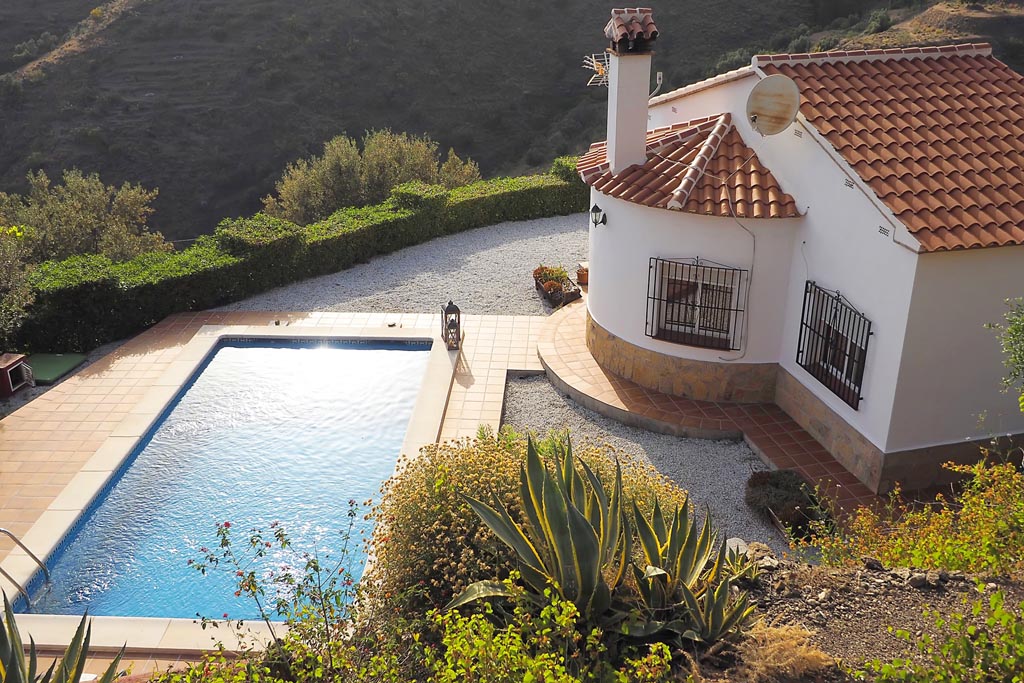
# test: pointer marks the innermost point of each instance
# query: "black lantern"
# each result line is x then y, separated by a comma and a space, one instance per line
451, 326
597, 216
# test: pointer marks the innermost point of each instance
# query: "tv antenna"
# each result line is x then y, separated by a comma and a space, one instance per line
599, 64
772, 104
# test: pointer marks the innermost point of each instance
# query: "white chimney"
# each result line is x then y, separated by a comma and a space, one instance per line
631, 32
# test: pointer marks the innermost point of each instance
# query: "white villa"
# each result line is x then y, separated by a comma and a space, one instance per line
844, 269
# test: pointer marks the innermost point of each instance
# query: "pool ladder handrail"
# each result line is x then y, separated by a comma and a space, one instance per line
46, 572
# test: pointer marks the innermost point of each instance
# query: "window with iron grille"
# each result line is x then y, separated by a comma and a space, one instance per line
696, 303
833, 342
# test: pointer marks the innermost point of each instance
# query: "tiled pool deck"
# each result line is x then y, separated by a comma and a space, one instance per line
79, 430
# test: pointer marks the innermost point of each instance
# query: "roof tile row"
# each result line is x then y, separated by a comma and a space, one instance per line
936, 133
722, 170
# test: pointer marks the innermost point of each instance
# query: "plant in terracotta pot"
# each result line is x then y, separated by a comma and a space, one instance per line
582, 275
539, 274
553, 291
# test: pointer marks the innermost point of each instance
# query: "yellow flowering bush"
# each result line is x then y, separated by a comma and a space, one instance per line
980, 530
429, 541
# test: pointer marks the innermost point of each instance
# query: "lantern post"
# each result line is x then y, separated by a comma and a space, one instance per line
451, 326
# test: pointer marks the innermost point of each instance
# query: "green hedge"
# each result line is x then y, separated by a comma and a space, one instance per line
85, 301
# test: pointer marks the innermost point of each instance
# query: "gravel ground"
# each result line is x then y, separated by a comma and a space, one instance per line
485, 271
714, 472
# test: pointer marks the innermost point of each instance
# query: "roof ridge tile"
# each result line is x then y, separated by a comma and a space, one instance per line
697, 168
841, 56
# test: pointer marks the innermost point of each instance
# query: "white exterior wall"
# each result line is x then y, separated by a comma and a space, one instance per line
952, 365
836, 243
620, 253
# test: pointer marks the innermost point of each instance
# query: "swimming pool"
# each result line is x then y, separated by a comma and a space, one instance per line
266, 431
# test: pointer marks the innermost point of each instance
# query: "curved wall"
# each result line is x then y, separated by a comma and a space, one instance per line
620, 253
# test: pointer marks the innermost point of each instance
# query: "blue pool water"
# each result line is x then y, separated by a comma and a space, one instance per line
266, 432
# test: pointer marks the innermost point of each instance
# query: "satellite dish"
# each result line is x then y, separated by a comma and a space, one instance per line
772, 104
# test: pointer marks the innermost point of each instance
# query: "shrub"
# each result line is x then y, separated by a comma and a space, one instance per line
15, 293
16, 668
980, 530
779, 652
878, 21
83, 216
429, 539
985, 646
85, 301
577, 544
564, 168
312, 189
784, 493
551, 645
1011, 338
512, 199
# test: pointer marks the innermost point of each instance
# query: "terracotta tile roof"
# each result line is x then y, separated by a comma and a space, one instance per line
631, 23
684, 171
936, 132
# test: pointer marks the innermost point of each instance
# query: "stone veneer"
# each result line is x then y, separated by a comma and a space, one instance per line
695, 379
770, 383
914, 469
846, 444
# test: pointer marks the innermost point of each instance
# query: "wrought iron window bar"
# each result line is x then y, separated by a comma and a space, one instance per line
833, 344
696, 303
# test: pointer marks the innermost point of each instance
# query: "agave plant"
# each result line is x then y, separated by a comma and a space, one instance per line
15, 667
577, 540
677, 554
686, 585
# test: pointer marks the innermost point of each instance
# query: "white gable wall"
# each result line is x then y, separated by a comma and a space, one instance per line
841, 249
837, 244
952, 364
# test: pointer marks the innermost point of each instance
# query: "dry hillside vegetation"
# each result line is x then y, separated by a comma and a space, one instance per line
955, 22
208, 100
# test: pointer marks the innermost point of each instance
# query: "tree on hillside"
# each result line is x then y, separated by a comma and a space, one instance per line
15, 293
311, 189
83, 216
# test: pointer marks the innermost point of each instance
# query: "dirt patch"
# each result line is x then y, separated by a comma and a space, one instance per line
85, 36
853, 614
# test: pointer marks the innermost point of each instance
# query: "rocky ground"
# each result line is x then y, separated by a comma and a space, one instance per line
854, 614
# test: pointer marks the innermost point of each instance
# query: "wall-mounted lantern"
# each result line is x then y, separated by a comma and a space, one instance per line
597, 216
451, 326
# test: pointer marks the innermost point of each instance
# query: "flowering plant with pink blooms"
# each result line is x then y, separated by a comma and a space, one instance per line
314, 599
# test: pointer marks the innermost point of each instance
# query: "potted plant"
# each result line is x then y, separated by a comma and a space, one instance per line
582, 275
553, 292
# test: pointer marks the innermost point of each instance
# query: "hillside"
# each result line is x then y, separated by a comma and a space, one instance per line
209, 99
